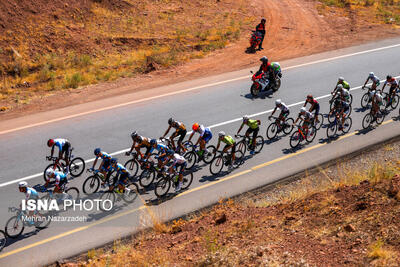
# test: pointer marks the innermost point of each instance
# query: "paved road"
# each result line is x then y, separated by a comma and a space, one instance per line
220, 105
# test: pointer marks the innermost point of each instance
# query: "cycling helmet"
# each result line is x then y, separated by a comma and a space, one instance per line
170, 121
97, 151
245, 118
310, 96
264, 59
371, 74
170, 152
302, 110
23, 184
153, 142
134, 135
50, 142
389, 77
341, 79
263, 20
195, 126
221, 134
278, 102
49, 173
113, 160
340, 87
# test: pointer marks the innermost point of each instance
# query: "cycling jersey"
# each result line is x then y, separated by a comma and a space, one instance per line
378, 97
345, 84
228, 140
119, 168
145, 142
178, 159
345, 93
307, 116
160, 148
60, 142
375, 79
313, 101
31, 193
253, 124
179, 126
104, 156
392, 83
205, 133
283, 107
59, 177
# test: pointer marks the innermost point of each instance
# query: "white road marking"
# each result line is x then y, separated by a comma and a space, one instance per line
212, 126
187, 90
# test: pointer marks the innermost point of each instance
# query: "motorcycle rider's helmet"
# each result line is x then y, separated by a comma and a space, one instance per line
170, 121
303, 110
50, 142
153, 142
97, 151
245, 118
371, 75
341, 79
278, 102
195, 126
263, 20
264, 59
389, 77
221, 134
134, 135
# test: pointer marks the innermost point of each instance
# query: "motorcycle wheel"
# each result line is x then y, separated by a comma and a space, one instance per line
255, 89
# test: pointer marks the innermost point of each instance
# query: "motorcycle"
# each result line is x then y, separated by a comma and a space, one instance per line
255, 41
261, 83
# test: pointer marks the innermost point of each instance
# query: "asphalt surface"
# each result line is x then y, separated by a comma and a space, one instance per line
221, 106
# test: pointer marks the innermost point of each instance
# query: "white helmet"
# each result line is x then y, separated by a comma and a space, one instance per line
278, 102
49, 173
341, 79
23, 184
302, 110
221, 133
245, 118
371, 74
340, 87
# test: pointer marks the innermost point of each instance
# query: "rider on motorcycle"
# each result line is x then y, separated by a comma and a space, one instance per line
267, 70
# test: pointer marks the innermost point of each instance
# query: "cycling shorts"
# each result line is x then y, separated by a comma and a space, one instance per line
316, 109
233, 148
181, 133
207, 136
123, 177
254, 131
66, 149
180, 168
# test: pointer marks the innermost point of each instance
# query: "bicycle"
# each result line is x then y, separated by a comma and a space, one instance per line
369, 119
76, 165
132, 165
207, 156
3, 240
92, 183
148, 174
333, 112
320, 121
333, 126
366, 98
300, 135
131, 192
225, 159
275, 127
391, 101
246, 143
17, 223
164, 184
332, 100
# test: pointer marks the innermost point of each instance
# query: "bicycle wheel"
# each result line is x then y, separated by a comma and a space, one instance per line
395, 102
187, 180
132, 166
295, 139
107, 199
43, 222
91, 185
380, 117
112, 178
349, 113
50, 167
347, 125
162, 187
311, 133
288, 126
331, 130
76, 167
367, 121
238, 159
351, 100
131, 193
216, 165
191, 159
3, 240
272, 131
147, 177
320, 121
73, 193
365, 100
187, 144
209, 156
331, 116
241, 146
14, 227
259, 144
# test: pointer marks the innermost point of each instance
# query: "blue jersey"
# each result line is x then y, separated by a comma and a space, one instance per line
120, 169
160, 148
60, 142
31, 193
59, 176
104, 156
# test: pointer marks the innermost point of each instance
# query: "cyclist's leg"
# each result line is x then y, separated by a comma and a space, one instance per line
255, 133
233, 152
171, 138
181, 134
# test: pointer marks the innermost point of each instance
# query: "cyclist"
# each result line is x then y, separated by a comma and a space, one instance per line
60, 178
253, 128
161, 148
342, 82
392, 90
374, 79
180, 130
314, 106
230, 143
105, 164
179, 162
261, 29
341, 92
341, 108
265, 68
138, 143
30, 193
204, 138
123, 176
64, 148
307, 118
284, 112
376, 102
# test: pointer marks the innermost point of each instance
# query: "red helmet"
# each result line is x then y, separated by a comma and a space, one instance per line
195, 126
50, 142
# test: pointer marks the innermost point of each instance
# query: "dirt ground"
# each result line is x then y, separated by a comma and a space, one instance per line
294, 28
